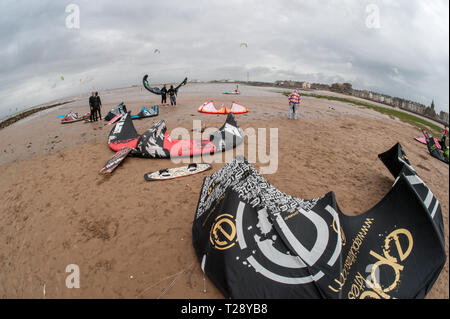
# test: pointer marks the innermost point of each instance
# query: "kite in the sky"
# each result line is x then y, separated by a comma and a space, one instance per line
244, 44
156, 51
62, 78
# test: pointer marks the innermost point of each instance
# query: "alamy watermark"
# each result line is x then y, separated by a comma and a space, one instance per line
373, 18
261, 146
73, 279
73, 19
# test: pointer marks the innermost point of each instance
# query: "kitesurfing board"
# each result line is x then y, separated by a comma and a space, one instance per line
115, 161
171, 173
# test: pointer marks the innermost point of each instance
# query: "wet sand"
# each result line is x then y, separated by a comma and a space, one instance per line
132, 238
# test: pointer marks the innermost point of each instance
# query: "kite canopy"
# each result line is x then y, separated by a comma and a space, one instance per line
232, 93
119, 109
423, 140
398, 164
255, 242
237, 108
156, 90
72, 117
123, 134
434, 147
147, 112
157, 143
210, 108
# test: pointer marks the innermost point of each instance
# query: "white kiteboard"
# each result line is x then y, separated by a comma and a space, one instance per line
171, 173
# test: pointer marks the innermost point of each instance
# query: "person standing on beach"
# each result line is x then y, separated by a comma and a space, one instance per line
444, 137
92, 106
172, 95
98, 106
294, 101
164, 95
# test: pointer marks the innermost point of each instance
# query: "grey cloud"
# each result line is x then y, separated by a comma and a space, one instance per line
316, 41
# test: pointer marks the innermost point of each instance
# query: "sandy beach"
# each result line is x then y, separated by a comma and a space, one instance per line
132, 238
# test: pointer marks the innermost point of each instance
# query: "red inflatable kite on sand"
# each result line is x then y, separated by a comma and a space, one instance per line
210, 108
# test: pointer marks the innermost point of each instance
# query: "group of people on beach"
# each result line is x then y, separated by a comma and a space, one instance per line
172, 94
95, 105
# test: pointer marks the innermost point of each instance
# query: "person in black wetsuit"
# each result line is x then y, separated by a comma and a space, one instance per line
98, 106
172, 95
164, 95
92, 107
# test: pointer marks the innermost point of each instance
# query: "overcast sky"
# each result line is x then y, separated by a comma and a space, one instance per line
405, 53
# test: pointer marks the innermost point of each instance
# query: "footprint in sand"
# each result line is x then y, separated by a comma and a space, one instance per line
104, 229
103, 179
66, 244
423, 167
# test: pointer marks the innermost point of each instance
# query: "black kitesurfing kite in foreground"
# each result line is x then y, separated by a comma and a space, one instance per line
253, 241
156, 90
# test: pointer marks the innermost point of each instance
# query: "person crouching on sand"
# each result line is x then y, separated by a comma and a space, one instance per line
92, 107
172, 94
294, 101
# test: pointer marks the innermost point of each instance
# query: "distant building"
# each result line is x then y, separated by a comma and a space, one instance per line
345, 88
444, 116
397, 102
293, 84
305, 85
320, 86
